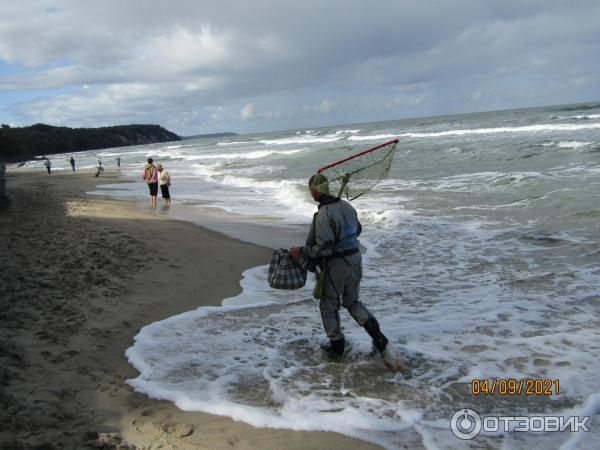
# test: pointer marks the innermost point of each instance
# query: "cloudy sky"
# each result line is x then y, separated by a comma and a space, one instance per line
258, 65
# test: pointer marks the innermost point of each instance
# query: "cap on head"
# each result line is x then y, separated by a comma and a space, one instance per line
319, 183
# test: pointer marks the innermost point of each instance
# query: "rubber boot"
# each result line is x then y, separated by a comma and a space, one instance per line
391, 357
380, 342
335, 348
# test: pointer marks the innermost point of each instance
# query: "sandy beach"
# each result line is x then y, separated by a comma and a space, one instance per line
80, 276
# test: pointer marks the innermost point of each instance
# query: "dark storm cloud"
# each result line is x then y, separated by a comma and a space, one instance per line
248, 65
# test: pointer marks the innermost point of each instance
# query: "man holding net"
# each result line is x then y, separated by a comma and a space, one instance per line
333, 243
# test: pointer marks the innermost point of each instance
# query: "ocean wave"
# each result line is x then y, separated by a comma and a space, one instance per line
524, 129
249, 155
374, 137
338, 132
454, 150
579, 117
475, 131
579, 170
567, 144
206, 170
573, 144
302, 140
276, 192
472, 182
124, 151
257, 170
224, 144
587, 117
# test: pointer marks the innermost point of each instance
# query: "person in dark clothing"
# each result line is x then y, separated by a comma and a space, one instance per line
72, 161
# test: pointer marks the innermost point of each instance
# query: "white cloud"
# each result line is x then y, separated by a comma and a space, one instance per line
182, 50
247, 112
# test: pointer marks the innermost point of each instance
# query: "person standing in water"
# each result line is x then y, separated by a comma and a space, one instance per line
48, 165
164, 181
72, 161
99, 168
333, 243
119, 162
151, 177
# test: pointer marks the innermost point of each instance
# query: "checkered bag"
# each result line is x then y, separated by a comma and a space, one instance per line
285, 273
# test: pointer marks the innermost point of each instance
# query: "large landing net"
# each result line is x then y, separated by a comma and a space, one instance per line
353, 176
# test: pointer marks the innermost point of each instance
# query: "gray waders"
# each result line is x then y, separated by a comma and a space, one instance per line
341, 288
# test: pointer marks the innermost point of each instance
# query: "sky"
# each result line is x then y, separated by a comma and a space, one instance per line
261, 65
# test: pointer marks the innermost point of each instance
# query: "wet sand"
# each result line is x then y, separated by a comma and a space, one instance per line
80, 276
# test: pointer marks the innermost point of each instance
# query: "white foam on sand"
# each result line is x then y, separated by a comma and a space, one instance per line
265, 352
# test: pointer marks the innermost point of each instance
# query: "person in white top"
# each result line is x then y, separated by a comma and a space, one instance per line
164, 181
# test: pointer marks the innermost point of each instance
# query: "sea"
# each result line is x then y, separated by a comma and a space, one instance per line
481, 262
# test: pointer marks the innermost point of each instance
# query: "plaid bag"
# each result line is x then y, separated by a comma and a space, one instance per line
285, 273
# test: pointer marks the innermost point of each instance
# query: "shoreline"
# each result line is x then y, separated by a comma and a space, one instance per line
83, 275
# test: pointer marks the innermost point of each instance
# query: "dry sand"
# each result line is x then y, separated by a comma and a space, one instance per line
80, 276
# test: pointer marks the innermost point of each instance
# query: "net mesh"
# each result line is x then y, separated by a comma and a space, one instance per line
356, 175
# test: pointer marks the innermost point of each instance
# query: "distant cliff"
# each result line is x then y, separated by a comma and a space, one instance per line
24, 143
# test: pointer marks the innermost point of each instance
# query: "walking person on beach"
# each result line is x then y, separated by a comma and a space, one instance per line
72, 161
119, 162
151, 177
48, 165
99, 168
164, 181
333, 243
4, 198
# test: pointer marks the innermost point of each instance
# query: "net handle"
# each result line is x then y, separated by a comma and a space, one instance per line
395, 141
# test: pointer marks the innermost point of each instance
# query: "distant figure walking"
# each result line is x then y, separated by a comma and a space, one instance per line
119, 162
151, 177
99, 168
4, 199
48, 165
164, 180
72, 161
